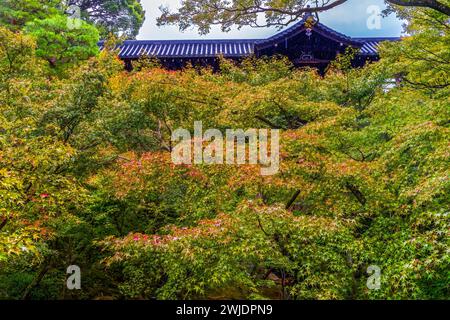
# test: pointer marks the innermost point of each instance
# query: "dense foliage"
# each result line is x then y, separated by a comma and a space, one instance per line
86, 176
124, 17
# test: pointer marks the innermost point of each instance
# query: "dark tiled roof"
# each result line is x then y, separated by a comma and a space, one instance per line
370, 45
132, 49
186, 48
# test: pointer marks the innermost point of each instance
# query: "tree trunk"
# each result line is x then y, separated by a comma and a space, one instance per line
35, 282
3, 223
294, 197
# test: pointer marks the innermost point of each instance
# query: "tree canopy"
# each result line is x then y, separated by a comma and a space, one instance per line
205, 13
60, 45
122, 18
86, 176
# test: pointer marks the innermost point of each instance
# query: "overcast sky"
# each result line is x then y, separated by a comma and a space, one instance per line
350, 19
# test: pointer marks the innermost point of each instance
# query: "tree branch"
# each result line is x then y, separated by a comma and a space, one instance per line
357, 193
205, 13
292, 200
432, 4
3, 224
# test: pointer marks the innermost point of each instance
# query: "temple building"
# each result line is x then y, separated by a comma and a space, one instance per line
306, 43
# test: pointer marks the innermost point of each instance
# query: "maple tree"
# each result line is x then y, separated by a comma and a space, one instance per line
86, 176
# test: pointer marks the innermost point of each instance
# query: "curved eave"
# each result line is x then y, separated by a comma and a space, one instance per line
300, 27
369, 46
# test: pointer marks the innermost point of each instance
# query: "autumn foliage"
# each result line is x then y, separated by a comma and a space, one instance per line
86, 177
